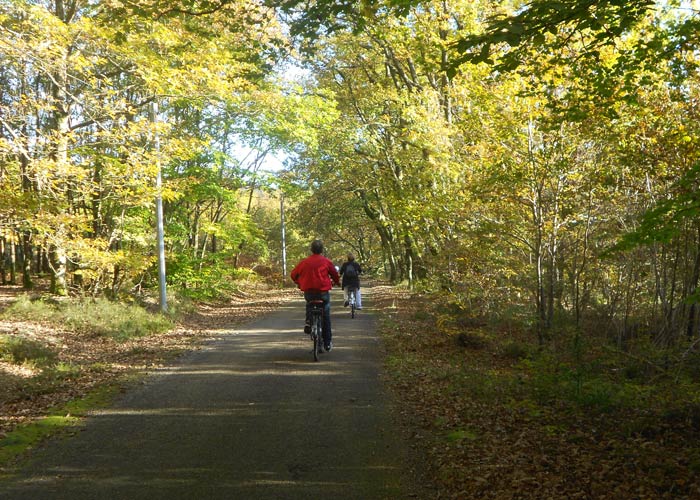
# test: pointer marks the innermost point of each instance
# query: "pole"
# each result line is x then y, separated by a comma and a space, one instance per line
159, 214
284, 239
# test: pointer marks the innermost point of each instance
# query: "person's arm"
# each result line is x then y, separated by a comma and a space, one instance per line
295, 273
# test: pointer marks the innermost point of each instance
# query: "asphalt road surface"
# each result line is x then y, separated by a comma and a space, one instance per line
250, 416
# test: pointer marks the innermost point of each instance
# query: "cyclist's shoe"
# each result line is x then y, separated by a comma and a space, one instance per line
346, 304
307, 328
329, 347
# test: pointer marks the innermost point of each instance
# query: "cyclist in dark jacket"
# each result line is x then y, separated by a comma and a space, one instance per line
351, 270
315, 276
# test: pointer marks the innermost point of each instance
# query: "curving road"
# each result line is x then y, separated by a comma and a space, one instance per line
250, 416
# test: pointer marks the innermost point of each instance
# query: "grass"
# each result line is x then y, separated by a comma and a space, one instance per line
58, 419
41, 372
20, 350
100, 317
36, 358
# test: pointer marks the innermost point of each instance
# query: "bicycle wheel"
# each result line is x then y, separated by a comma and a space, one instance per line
317, 334
352, 303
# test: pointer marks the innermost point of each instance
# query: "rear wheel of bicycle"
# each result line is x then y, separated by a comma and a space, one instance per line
353, 298
317, 335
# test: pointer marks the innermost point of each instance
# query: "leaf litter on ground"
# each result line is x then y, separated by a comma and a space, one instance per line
482, 434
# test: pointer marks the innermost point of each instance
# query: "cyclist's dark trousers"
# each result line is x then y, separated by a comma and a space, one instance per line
326, 297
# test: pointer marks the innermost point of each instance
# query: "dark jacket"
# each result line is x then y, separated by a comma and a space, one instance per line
352, 281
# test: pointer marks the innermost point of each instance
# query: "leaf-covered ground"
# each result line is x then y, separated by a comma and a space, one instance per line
91, 360
483, 434
466, 403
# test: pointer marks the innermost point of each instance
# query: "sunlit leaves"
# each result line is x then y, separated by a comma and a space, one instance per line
527, 27
78, 137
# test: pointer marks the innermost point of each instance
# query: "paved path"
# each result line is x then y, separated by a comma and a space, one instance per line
251, 416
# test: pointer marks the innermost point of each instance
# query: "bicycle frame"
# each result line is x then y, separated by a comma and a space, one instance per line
317, 326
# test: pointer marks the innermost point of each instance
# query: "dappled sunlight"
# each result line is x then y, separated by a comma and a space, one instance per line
272, 482
266, 331
314, 372
251, 409
174, 480
20, 371
249, 414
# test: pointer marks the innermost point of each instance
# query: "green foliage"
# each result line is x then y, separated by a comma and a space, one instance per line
86, 196
517, 350
117, 321
594, 385
207, 281
666, 220
462, 434
31, 309
528, 28
27, 436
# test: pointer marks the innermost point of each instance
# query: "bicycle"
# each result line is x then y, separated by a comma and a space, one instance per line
352, 300
317, 326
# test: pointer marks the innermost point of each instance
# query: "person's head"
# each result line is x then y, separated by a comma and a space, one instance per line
317, 246
351, 257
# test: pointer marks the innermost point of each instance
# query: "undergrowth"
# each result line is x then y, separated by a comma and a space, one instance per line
100, 317
496, 402
41, 359
582, 371
18, 350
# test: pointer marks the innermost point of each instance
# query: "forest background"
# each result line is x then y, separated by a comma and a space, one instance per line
532, 167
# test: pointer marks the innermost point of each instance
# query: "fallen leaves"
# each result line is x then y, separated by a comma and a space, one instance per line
25, 396
479, 436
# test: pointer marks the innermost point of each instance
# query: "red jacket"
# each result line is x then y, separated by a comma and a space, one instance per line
314, 274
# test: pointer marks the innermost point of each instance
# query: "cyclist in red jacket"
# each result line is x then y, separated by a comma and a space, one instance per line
315, 276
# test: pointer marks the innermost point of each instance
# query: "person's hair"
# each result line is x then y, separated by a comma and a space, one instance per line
317, 246
351, 256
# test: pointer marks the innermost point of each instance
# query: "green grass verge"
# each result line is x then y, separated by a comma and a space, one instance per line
101, 317
60, 419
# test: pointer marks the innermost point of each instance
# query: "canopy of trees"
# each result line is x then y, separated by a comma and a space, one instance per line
96, 98
543, 156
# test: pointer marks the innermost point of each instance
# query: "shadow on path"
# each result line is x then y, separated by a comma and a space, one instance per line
249, 416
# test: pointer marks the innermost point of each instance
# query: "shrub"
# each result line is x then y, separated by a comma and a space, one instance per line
17, 349
112, 319
472, 340
516, 350
26, 308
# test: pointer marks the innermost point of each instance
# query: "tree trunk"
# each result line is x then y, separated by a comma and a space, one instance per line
13, 261
3, 264
26, 260
692, 326
61, 128
58, 261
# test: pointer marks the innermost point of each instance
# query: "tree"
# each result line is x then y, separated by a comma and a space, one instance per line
80, 76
